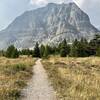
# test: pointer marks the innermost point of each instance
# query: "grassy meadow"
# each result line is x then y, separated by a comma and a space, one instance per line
14, 74
74, 78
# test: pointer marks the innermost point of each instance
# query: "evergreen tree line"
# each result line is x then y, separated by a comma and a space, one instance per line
79, 48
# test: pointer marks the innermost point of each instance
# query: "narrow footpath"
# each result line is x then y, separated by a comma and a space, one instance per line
39, 87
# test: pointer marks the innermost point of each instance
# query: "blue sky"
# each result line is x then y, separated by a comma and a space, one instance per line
10, 9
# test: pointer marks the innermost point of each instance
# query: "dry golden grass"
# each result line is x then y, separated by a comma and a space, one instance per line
14, 74
75, 78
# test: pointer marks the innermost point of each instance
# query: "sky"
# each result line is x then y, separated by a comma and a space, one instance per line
10, 9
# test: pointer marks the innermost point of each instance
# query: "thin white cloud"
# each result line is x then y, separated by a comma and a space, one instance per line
38, 2
44, 2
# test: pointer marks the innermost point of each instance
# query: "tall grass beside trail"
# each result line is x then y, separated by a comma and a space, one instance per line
74, 78
14, 74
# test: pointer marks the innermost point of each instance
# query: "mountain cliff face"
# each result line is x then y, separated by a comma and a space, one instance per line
50, 24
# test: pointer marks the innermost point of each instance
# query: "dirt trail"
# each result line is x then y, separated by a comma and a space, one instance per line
39, 87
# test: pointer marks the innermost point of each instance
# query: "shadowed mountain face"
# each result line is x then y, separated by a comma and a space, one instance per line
50, 24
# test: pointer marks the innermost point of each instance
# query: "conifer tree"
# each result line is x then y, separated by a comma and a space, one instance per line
80, 48
64, 48
62, 53
98, 52
15, 54
94, 44
12, 52
73, 51
46, 52
36, 52
42, 50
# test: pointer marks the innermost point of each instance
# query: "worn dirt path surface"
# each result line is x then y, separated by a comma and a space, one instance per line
39, 87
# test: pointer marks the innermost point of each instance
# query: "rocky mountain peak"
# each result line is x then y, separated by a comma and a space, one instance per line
50, 24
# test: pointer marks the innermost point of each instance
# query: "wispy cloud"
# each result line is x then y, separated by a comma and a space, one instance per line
38, 2
44, 2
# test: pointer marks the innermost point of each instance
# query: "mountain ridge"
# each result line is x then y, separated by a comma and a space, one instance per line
49, 24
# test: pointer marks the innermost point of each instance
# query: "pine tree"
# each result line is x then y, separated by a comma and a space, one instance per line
73, 51
42, 50
15, 54
94, 44
64, 48
98, 52
46, 52
62, 53
83, 48
36, 52
12, 52
80, 48
55, 50
26, 52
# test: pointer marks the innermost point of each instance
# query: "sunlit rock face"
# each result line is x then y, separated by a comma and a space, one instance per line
50, 24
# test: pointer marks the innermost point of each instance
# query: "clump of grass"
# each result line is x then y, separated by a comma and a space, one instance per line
58, 82
9, 94
20, 83
13, 69
14, 74
74, 78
